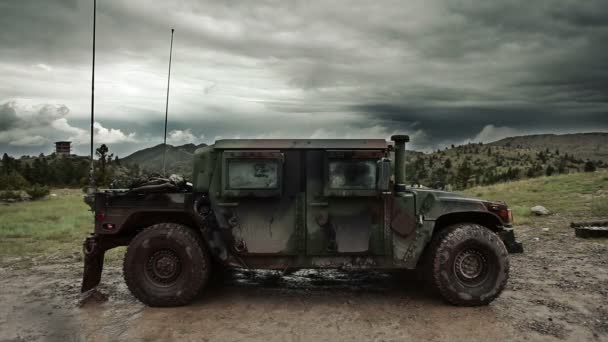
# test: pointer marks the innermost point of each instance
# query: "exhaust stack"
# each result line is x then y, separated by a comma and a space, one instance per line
400, 141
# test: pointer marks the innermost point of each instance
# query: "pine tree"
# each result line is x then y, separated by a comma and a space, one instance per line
463, 174
562, 167
439, 177
6, 164
102, 172
447, 164
589, 166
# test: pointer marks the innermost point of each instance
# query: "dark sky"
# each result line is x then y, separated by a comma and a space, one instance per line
442, 71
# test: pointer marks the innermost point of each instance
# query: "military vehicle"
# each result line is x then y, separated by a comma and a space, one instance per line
293, 204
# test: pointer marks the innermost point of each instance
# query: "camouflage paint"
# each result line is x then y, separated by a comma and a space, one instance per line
302, 222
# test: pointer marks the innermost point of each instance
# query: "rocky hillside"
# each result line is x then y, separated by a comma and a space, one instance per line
475, 164
592, 146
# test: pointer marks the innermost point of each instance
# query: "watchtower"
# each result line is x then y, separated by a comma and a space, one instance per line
63, 148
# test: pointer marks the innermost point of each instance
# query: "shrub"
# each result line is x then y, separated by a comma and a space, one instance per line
589, 166
10, 195
37, 191
13, 181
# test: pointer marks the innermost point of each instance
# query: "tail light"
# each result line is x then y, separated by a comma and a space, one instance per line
100, 216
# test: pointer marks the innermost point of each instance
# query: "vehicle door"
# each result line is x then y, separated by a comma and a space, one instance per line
261, 191
345, 210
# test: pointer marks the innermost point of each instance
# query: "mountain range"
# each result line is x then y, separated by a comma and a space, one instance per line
519, 152
178, 158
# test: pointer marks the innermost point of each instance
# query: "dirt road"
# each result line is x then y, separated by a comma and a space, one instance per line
558, 291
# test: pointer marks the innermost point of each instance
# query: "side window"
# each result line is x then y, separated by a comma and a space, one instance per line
252, 173
351, 173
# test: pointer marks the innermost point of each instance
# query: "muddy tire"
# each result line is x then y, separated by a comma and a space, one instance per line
166, 265
469, 264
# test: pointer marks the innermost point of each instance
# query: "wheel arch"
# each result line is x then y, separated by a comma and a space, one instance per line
485, 219
141, 220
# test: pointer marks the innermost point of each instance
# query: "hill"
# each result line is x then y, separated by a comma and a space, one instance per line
580, 196
457, 166
509, 159
583, 145
178, 158
475, 164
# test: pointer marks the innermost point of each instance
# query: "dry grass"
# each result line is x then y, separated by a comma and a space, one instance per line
599, 206
574, 195
56, 224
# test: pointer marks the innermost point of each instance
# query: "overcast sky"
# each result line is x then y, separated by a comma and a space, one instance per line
442, 71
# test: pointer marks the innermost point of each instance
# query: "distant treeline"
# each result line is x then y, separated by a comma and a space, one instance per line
60, 171
473, 164
456, 167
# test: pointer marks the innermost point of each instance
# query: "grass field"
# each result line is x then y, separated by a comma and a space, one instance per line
577, 195
58, 224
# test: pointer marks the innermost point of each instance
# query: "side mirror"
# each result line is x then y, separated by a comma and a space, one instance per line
384, 174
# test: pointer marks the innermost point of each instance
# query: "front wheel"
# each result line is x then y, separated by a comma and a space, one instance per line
470, 265
166, 265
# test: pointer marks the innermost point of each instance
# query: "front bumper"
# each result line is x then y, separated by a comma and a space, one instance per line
507, 235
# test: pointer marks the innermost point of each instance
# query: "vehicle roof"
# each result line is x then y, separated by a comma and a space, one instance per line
244, 144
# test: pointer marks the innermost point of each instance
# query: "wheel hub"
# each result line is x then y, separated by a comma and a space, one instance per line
470, 265
163, 266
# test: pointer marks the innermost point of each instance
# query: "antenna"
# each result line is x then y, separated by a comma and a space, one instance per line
92, 167
167, 104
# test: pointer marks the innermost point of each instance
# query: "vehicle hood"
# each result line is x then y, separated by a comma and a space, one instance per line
433, 203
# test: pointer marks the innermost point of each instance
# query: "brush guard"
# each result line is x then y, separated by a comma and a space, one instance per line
507, 235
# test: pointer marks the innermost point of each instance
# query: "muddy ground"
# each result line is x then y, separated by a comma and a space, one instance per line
558, 291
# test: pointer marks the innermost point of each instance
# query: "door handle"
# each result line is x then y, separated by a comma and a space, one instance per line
318, 204
228, 204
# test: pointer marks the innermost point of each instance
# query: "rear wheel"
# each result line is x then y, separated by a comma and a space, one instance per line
166, 265
469, 265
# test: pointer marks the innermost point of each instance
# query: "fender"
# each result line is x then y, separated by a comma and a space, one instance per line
120, 216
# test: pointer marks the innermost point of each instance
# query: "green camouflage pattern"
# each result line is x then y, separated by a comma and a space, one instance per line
302, 222
288, 204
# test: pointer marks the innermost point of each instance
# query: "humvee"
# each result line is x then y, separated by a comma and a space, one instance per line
293, 204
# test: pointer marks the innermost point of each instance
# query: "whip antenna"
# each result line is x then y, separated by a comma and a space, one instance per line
92, 167
167, 104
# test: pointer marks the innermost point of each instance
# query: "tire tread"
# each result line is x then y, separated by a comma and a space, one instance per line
194, 287
449, 237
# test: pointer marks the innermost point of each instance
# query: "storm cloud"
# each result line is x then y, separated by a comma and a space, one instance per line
443, 71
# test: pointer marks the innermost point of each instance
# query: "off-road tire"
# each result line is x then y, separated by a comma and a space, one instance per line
184, 278
455, 279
